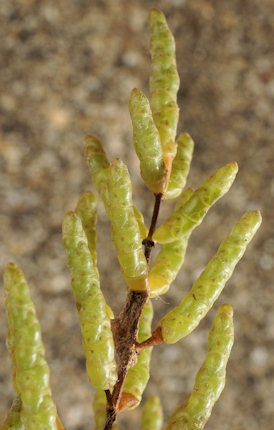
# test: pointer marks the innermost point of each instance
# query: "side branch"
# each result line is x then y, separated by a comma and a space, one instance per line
155, 339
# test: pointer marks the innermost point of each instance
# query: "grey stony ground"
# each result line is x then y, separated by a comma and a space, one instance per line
67, 69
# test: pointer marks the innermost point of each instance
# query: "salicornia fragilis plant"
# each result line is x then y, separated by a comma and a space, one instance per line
118, 349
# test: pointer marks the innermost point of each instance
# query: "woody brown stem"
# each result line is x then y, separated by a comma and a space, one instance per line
125, 329
148, 242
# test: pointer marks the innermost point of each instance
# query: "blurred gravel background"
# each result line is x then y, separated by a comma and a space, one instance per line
67, 69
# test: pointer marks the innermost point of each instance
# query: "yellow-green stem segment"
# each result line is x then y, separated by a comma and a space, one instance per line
147, 143
24, 342
188, 217
164, 83
169, 260
185, 317
180, 166
98, 165
86, 209
93, 314
152, 416
210, 380
125, 229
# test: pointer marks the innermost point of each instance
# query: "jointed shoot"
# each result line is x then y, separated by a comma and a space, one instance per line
118, 348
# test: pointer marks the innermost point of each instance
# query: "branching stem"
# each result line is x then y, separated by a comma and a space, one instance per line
125, 329
155, 339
